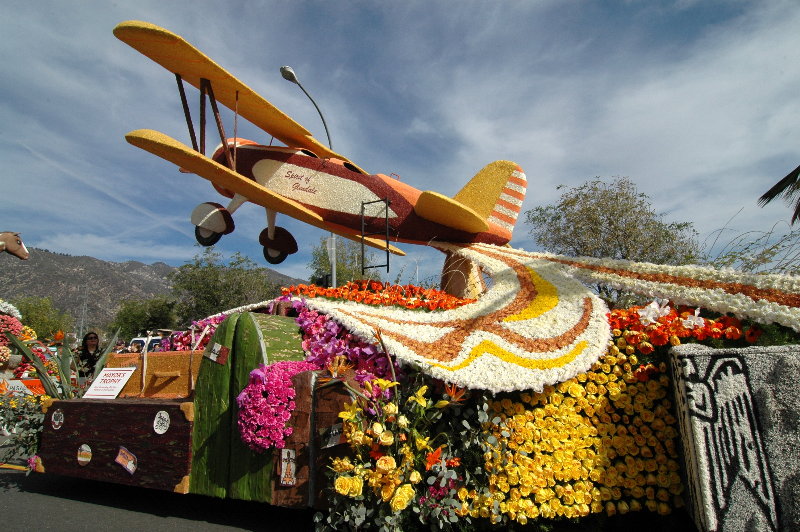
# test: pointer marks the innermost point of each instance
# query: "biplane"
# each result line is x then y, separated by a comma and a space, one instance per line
306, 179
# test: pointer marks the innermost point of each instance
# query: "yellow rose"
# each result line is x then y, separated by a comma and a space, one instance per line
386, 438
390, 409
340, 465
377, 428
385, 464
356, 487
415, 478
387, 490
357, 438
342, 484
402, 497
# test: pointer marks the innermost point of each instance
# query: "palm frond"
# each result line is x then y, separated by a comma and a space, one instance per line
788, 187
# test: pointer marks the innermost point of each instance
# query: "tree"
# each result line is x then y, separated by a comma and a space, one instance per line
39, 314
207, 286
612, 220
348, 262
137, 317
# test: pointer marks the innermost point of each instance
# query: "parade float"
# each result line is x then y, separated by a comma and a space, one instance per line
512, 398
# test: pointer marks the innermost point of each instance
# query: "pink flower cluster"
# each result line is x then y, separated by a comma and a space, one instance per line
266, 404
9, 324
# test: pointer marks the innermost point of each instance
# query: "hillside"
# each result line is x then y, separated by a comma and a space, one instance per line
70, 282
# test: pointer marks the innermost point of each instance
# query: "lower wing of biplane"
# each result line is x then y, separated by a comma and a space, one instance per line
212, 221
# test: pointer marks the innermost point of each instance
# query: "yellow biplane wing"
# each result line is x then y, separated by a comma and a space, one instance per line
179, 57
183, 156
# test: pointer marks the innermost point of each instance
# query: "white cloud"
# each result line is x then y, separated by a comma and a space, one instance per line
114, 248
697, 106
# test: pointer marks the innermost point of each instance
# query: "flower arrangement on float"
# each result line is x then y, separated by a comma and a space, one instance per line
414, 448
428, 454
266, 404
379, 293
196, 337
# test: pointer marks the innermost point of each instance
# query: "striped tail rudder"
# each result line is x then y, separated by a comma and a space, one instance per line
496, 193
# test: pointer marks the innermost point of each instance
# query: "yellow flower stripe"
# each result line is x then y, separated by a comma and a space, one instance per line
546, 299
491, 348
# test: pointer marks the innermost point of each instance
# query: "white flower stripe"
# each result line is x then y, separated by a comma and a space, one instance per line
554, 335
771, 298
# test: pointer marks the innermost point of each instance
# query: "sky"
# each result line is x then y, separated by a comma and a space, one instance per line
695, 102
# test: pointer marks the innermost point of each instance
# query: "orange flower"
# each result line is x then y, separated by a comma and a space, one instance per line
433, 458
455, 393
453, 462
58, 336
733, 333
339, 365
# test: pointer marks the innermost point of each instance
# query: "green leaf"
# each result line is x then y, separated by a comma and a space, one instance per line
49, 385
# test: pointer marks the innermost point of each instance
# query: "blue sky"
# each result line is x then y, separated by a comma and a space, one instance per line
696, 102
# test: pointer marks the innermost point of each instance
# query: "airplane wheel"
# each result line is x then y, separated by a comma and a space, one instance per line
206, 237
278, 248
279, 256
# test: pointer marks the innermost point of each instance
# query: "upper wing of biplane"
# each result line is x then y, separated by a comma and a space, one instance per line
179, 57
183, 156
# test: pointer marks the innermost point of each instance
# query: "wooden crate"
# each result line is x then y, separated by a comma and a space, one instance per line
167, 374
97, 439
314, 440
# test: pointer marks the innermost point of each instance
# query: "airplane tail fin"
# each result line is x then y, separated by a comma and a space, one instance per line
496, 193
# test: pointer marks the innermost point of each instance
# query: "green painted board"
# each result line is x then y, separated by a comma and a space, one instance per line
250, 472
259, 338
282, 340
213, 416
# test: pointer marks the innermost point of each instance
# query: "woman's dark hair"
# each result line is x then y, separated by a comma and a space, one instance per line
84, 343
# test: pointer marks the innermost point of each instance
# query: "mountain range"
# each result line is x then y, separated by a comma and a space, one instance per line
90, 289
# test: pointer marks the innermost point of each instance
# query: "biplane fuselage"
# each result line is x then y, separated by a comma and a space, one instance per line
338, 194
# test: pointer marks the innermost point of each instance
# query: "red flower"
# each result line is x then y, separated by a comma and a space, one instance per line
376, 452
752, 334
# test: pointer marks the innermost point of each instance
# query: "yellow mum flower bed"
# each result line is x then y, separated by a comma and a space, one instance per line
603, 441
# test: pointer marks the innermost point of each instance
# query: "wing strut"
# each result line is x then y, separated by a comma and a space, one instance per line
364, 234
205, 90
186, 112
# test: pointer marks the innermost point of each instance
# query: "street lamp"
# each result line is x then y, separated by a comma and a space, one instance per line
288, 74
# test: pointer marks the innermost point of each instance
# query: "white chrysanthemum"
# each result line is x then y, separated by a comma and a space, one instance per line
9, 309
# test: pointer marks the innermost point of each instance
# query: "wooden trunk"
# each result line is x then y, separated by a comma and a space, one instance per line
201, 451
85, 438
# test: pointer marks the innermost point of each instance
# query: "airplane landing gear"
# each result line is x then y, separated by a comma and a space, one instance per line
211, 221
280, 246
206, 237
